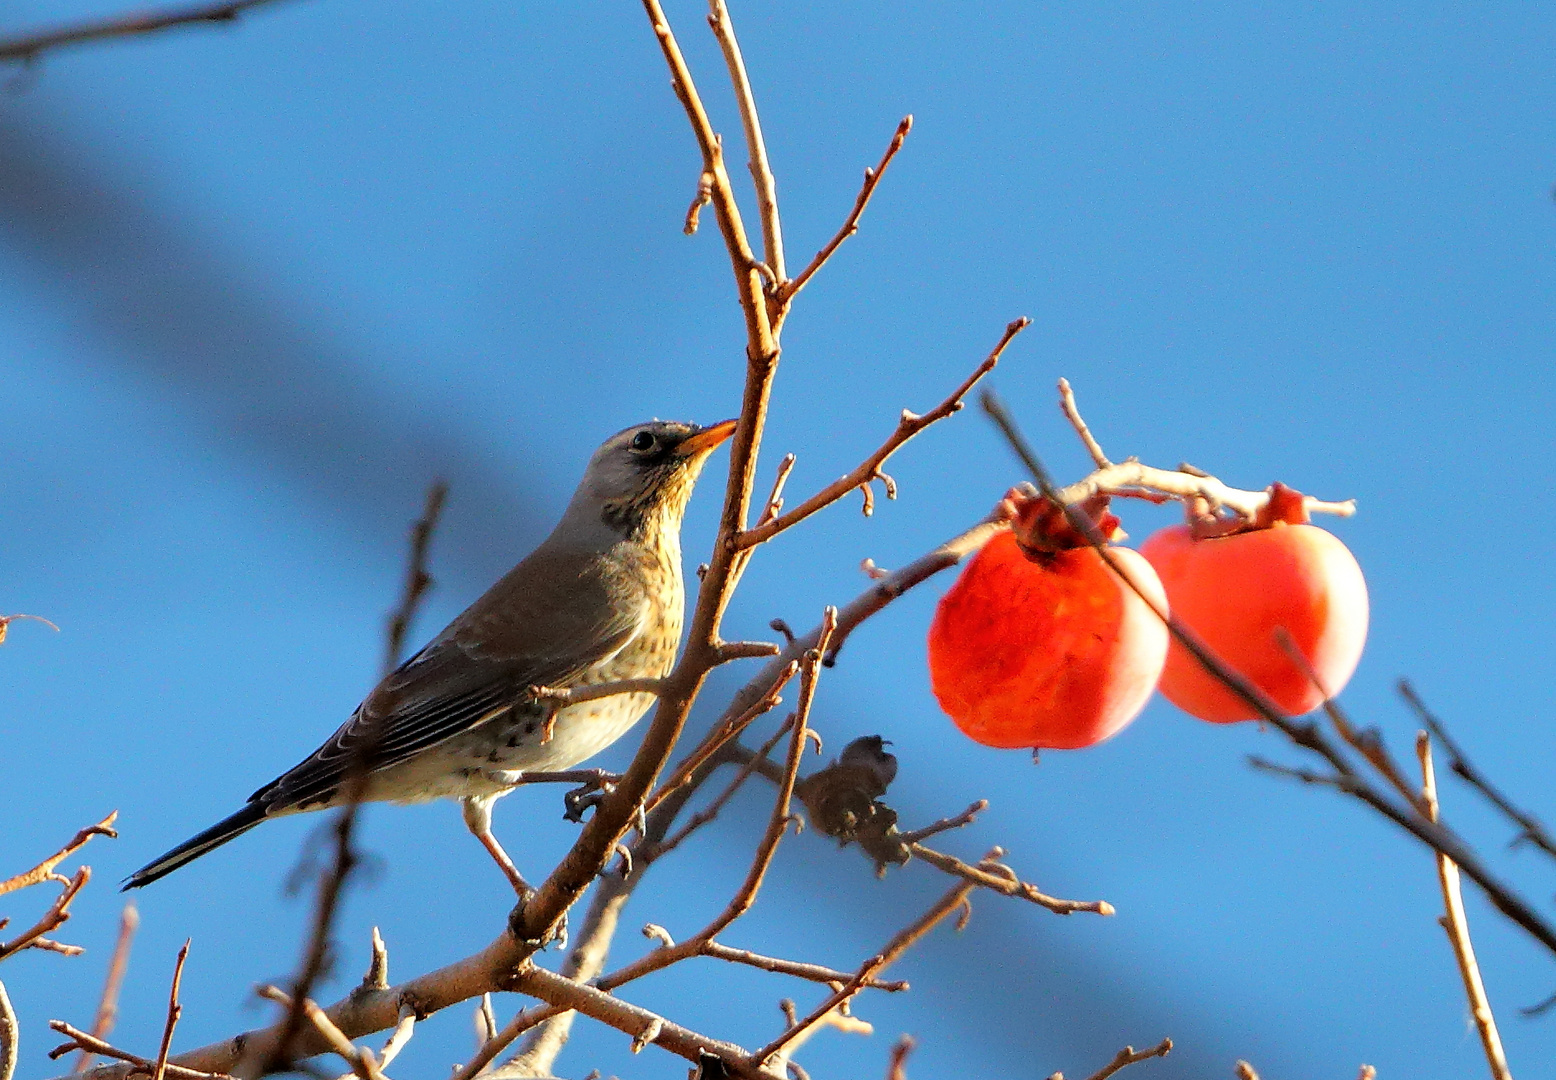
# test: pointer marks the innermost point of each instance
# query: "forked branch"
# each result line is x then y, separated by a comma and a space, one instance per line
869, 470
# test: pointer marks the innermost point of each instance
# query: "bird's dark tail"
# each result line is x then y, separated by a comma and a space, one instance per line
193, 848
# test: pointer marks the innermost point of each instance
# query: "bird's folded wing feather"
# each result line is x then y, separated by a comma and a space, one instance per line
546, 622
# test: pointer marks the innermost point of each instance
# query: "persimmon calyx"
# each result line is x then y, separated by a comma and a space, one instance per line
1283, 506
1042, 526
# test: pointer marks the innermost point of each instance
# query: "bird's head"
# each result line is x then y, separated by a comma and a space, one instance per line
643, 477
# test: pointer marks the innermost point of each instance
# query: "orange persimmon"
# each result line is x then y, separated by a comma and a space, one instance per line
1235, 591
1045, 649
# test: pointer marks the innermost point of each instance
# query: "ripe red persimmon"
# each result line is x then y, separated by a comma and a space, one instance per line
1235, 591
1048, 650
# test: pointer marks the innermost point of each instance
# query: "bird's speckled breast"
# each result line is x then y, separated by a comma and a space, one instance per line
474, 764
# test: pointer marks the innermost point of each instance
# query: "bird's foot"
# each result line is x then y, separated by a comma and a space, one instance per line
588, 795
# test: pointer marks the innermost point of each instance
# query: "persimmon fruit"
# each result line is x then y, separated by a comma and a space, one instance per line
1046, 649
1236, 591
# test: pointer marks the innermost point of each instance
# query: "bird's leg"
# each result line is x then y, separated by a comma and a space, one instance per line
478, 819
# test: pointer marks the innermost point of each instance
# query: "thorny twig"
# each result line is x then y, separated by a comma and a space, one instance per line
1532, 831
29, 47
1456, 923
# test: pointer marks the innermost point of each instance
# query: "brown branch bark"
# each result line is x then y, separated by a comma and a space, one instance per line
1130, 1056
644, 1026
28, 47
134, 1063
57, 915
1456, 923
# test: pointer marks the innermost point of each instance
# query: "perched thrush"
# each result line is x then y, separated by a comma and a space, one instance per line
600, 600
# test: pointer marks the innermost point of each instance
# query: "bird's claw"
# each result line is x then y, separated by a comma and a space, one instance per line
586, 796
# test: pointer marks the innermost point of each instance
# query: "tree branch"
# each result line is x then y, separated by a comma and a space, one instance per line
118, 965
57, 915
898, 945
28, 47
909, 425
44, 871
1532, 830
417, 579
872, 177
1457, 925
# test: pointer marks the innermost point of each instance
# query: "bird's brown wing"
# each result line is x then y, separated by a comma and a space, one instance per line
547, 621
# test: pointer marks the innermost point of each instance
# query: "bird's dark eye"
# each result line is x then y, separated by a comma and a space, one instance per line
643, 441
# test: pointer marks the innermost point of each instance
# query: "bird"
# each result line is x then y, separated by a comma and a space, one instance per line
601, 600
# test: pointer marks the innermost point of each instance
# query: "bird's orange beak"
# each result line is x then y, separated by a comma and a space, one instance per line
706, 439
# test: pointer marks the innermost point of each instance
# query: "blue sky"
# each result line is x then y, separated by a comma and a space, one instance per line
260, 284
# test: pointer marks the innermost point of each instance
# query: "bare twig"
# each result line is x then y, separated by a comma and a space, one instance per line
7, 620
44, 871
108, 1005
9, 1036
1532, 831
813, 972
1130, 1056
1073, 415
1456, 923
897, 1070
872, 177
777, 825
645, 1027
966, 817
1245, 1071
28, 47
174, 1011
711, 811
869, 470
898, 945
761, 172
1002, 879
1367, 742
57, 915
136, 1065
417, 579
